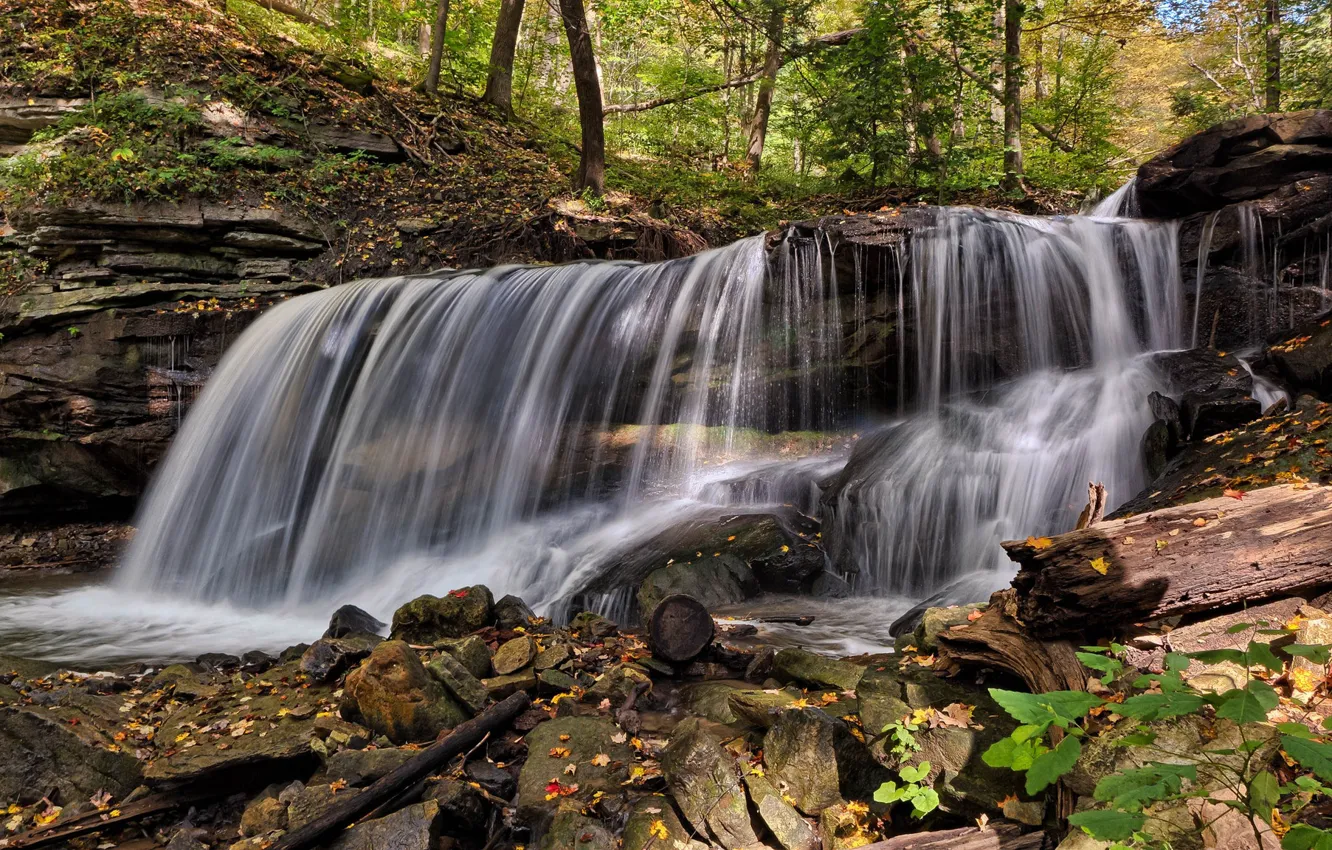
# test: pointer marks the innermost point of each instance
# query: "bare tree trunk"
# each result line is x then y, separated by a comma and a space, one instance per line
1273, 56
997, 67
437, 46
1012, 94
499, 85
772, 63
591, 118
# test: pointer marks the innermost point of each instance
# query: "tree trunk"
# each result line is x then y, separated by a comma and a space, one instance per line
999, 642
437, 46
591, 119
1212, 554
772, 63
1012, 94
499, 85
1273, 35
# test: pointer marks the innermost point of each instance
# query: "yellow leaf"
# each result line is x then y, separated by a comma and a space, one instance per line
658, 830
559, 752
1039, 543
601, 759
1101, 565
786, 548
1200, 522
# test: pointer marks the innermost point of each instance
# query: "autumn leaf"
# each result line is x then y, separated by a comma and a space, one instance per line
1039, 543
458, 594
1234, 494
1200, 522
1101, 565
559, 752
975, 615
337, 785
601, 759
570, 769
619, 737
1161, 545
657, 830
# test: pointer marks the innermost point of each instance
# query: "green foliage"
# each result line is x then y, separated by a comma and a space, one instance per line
922, 798
1127, 797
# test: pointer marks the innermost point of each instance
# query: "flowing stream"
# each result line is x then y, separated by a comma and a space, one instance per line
526, 427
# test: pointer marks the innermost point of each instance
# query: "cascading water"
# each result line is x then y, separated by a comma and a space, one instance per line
525, 427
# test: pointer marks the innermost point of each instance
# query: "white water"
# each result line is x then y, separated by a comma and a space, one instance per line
391, 438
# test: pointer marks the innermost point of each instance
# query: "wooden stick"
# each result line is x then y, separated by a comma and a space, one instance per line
462, 738
999, 836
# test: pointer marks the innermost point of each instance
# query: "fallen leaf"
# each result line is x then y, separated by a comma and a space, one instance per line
657, 829
559, 752
1234, 494
601, 759
1101, 565
1039, 543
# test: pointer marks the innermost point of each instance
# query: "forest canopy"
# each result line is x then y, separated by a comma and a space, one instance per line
937, 96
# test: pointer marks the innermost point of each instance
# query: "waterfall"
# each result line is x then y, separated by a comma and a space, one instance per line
1033, 379
526, 426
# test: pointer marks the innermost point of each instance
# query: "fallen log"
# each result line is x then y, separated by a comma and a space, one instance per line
1220, 552
1000, 836
680, 628
432, 758
97, 821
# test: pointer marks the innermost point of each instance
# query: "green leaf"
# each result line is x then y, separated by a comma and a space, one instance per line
1177, 662
1059, 707
1137, 739
1217, 656
1316, 653
1026, 733
1305, 837
1026, 753
1264, 794
1312, 755
1109, 825
1158, 706
888, 793
915, 774
1000, 754
1139, 787
924, 802
1048, 767
1296, 730
1109, 666
1261, 653
1239, 627
1249, 704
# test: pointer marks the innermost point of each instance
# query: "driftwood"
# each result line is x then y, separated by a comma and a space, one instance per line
96, 821
1000, 836
1273, 542
679, 628
432, 758
997, 640
1094, 513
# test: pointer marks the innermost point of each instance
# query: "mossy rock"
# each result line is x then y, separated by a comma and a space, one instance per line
394, 695
548, 756
427, 619
818, 670
713, 581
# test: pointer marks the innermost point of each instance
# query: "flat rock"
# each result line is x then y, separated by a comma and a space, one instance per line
415, 827
68, 747
650, 811
471, 652
791, 830
804, 666
546, 760
514, 655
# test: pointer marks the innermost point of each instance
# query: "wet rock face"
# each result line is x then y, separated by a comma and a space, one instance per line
66, 748
819, 761
705, 782
1303, 357
393, 695
553, 746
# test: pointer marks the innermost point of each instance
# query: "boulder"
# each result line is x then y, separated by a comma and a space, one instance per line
512, 612
587, 737
415, 827
500, 687
349, 620
819, 761
393, 695
1237, 160
330, 657
936, 621
427, 619
471, 652
590, 625
264, 814
713, 581
801, 665
312, 801
760, 708
704, 781
461, 684
497, 781
1199, 370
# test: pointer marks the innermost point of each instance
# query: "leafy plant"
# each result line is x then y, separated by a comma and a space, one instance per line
1047, 744
923, 799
